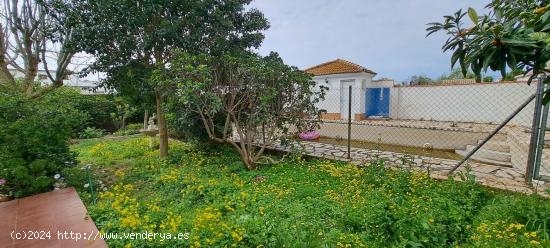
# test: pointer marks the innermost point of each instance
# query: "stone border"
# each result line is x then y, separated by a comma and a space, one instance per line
430, 125
497, 177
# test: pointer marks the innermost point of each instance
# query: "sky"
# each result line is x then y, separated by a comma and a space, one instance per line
386, 36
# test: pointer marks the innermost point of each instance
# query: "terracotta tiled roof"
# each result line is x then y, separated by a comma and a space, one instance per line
338, 66
458, 81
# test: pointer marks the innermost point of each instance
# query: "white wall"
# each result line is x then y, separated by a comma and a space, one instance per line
387, 83
86, 86
484, 103
41, 76
332, 98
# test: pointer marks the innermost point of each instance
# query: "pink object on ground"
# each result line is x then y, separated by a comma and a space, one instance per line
309, 135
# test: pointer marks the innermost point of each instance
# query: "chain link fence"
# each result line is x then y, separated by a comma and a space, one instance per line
438, 124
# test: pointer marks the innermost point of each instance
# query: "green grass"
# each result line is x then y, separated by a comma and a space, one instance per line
298, 203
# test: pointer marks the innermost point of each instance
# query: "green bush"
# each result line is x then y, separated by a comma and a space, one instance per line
75, 177
488, 79
186, 125
99, 108
90, 133
33, 140
129, 130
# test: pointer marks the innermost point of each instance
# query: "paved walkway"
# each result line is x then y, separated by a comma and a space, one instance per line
46, 217
489, 175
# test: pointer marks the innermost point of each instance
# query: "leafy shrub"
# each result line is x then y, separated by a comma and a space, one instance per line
90, 133
33, 140
75, 177
99, 108
129, 130
123, 112
102, 110
187, 125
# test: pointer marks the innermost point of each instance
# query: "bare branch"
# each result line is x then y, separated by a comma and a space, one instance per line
6, 75
30, 42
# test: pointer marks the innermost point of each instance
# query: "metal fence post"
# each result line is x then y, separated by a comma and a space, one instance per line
540, 142
501, 126
534, 132
349, 123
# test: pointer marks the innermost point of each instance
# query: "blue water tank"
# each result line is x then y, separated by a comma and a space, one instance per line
377, 102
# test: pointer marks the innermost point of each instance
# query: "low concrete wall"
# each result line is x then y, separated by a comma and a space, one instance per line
518, 141
414, 137
338, 116
331, 116
519, 149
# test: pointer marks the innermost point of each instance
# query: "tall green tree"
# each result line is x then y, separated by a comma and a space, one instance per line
258, 99
130, 38
513, 35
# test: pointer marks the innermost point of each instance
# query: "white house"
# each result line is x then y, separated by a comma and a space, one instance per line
338, 76
87, 86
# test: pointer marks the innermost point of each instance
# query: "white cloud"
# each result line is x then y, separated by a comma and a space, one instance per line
385, 36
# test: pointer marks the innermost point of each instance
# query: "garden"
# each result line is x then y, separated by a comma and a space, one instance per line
175, 148
209, 193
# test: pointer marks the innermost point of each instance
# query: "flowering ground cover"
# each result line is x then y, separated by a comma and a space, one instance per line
209, 194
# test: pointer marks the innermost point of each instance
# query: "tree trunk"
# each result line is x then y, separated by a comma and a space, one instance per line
248, 161
245, 154
161, 122
478, 78
146, 119
5, 74
30, 75
123, 121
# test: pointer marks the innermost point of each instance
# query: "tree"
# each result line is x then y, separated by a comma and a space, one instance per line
511, 76
259, 99
488, 79
420, 80
513, 35
131, 38
122, 112
457, 74
32, 35
132, 85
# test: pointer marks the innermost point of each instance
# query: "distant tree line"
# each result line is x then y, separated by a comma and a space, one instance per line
456, 74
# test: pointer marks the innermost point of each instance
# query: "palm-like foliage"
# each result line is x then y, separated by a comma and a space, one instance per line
513, 35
